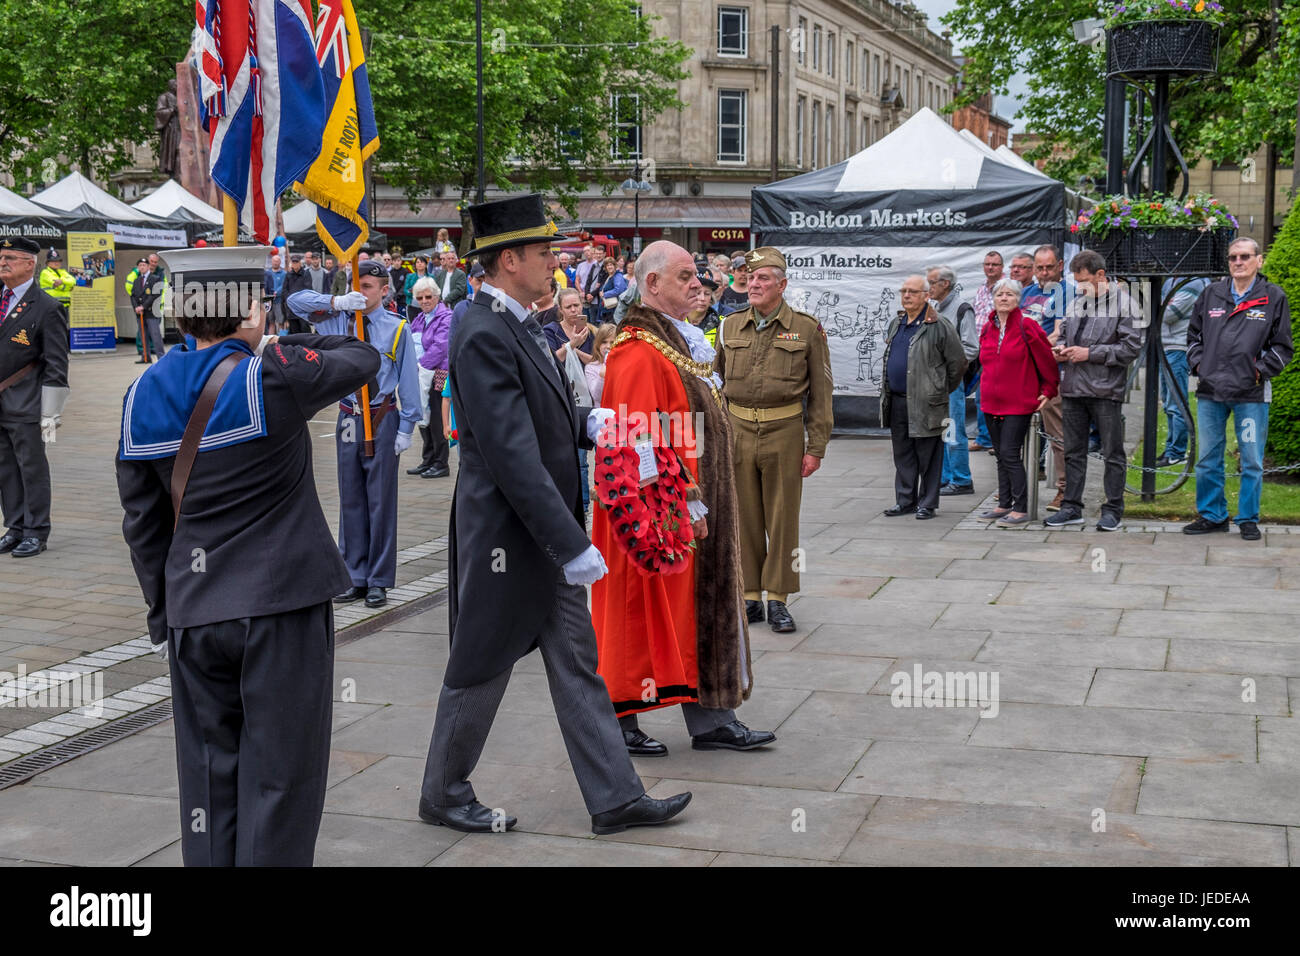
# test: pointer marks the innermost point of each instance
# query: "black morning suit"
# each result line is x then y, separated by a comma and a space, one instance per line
516, 520
35, 329
241, 594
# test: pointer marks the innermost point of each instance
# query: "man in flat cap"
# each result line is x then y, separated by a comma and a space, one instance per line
776, 370
368, 483
520, 556
33, 390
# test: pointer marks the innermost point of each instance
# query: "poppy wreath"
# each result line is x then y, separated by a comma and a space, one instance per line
651, 524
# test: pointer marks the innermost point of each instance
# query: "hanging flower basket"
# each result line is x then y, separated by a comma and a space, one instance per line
1158, 235
1151, 47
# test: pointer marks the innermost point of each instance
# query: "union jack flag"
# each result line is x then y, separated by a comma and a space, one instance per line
332, 37
262, 100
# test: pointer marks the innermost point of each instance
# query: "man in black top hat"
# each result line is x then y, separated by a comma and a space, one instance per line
239, 584
33, 390
520, 555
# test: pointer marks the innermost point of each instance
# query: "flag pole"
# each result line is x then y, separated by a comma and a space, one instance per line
369, 447
230, 222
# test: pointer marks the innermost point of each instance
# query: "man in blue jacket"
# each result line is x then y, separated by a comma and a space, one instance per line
1239, 338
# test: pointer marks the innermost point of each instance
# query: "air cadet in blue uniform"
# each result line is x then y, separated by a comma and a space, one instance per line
368, 485
239, 583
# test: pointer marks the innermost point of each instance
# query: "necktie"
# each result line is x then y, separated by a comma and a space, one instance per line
5, 298
539, 339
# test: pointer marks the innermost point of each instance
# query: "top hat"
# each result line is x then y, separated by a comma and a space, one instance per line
517, 221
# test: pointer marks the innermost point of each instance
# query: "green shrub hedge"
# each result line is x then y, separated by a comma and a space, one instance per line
1282, 265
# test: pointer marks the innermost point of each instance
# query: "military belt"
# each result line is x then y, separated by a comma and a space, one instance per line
766, 414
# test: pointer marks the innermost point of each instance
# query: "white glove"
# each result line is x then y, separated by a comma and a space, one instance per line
403, 441
587, 568
48, 426
596, 421
262, 344
161, 651
349, 302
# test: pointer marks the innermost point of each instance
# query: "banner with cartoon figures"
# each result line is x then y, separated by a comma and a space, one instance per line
91, 313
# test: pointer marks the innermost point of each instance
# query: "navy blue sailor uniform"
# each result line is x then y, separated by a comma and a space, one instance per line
368, 486
241, 590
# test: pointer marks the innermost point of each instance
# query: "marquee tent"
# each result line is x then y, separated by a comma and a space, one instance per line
76, 197
171, 200
924, 195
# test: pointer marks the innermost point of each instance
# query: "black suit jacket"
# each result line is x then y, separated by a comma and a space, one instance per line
517, 511
250, 510
36, 329
147, 291
459, 285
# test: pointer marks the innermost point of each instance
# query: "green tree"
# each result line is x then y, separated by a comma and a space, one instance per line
1282, 266
78, 80
550, 71
1252, 100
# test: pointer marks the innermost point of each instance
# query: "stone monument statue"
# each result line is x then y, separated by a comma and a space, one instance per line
168, 124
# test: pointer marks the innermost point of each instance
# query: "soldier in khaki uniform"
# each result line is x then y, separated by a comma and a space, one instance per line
776, 371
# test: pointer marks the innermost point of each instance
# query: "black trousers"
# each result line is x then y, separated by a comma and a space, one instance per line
918, 462
24, 480
252, 700
1008, 435
434, 454
1078, 415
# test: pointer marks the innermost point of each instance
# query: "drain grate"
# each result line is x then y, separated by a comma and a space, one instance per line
24, 768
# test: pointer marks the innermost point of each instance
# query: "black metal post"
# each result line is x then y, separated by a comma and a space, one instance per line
478, 45
775, 88
1113, 143
1151, 406
1160, 142
636, 208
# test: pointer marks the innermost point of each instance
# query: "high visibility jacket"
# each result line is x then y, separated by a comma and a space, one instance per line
130, 281
50, 282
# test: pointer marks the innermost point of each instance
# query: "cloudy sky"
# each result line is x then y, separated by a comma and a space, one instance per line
1007, 106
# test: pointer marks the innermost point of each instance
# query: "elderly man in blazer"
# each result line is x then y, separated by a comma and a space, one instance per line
451, 281
33, 390
520, 556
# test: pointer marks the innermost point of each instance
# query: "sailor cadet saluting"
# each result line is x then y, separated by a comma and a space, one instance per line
235, 558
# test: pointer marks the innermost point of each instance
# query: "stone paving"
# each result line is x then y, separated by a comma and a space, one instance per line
1141, 715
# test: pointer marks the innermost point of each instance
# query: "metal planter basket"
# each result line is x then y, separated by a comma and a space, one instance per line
1153, 47
1165, 251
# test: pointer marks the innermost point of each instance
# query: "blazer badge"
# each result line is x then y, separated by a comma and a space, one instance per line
21, 338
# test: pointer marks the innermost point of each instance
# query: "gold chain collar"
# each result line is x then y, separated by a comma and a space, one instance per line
702, 370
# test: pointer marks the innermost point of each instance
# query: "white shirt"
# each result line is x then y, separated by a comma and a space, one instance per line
446, 284
19, 291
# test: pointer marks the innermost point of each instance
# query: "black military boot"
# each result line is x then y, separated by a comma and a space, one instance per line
779, 618
754, 611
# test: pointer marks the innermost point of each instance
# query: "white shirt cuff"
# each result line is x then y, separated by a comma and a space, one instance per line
697, 510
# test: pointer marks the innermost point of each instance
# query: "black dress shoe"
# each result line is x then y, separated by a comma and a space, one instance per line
376, 597
778, 617
733, 736
141, 361
351, 594
640, 744
953, 489
28, 547
9, 542
471, 818
644, 811
924, 514
417, 470
435, 472
897, 510
754, 611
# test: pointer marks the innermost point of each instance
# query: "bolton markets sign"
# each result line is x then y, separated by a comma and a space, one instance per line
825, 219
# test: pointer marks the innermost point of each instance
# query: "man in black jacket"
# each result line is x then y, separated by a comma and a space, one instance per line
295, 279
146, 298
1239, 338
450, 280
239, 584
520, 555
33, 389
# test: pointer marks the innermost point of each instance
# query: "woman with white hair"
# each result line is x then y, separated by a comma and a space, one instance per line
431, 328
1018, 375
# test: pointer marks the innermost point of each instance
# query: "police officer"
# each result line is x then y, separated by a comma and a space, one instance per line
33, 390
368, 484
239, 579
56, 280
776, 372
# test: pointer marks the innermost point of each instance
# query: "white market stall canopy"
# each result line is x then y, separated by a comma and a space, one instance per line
12, 204
923, 196
171, 200
75, 195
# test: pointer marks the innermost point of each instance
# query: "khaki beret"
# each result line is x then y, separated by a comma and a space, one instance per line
764, 256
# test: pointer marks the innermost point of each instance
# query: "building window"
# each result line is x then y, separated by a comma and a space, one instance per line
830, 135
830, 54
849, 127
848, 63
800, 109
875, 131
733, 31
875, 70
731, 126
865, 75
816, 131
898, 76
817, 47
866, 133
802, 39
625, 138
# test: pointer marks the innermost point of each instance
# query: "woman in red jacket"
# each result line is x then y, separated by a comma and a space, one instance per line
1018, 375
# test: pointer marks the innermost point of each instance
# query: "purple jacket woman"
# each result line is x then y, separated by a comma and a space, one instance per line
434, 329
